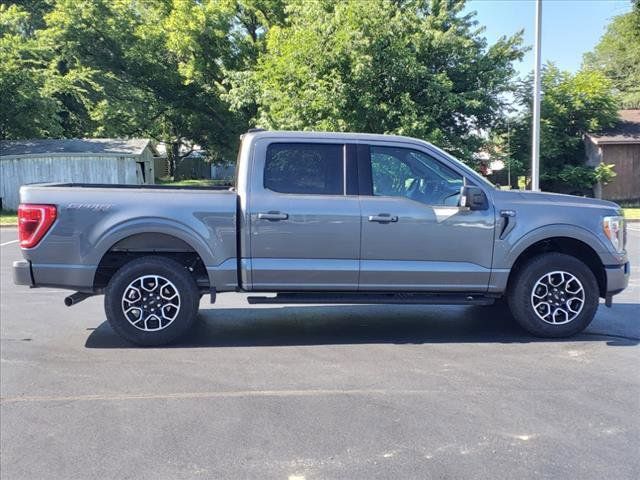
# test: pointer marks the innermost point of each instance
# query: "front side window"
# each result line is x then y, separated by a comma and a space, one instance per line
402, 172
304, 168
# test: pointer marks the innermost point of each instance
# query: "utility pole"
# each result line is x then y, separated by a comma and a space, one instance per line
537, 85
509, 153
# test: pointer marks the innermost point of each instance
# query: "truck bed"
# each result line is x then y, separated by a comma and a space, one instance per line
129, 187
95, 219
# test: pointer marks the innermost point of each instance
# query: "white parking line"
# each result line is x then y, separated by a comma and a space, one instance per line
221, 395
8, 243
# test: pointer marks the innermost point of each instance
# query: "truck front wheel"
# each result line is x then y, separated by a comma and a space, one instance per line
151, 301
553, 295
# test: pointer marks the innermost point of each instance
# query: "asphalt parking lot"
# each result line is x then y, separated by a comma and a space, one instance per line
316, 392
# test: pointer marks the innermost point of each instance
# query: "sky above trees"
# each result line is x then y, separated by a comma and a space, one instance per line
570, 28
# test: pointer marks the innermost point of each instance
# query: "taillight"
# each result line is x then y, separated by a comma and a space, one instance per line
33, 222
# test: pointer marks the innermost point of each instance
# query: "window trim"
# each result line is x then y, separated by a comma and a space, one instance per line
343, 151
344, 169
366, 173
351, 169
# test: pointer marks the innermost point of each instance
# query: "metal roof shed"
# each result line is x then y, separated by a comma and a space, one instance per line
92, 160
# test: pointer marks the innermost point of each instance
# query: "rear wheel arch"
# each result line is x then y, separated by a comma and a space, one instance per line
145, 244
152, 241
109, 235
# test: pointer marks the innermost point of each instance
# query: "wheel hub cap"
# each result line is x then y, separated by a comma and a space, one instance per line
151, 303
557, 297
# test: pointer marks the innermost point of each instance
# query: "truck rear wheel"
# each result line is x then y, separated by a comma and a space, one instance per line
554, 295
151, 301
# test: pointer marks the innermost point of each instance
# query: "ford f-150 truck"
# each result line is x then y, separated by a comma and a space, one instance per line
324, 218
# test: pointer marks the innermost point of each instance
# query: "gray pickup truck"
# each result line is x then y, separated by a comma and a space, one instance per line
324, 218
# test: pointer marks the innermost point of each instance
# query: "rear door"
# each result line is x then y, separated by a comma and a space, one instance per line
304, 225
415, 237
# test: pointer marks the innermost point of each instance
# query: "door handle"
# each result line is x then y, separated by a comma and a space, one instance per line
273, 216
383, 218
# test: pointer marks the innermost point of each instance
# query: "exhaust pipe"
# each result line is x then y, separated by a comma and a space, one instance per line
76, 298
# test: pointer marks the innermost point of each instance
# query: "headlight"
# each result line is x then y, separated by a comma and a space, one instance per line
614, 229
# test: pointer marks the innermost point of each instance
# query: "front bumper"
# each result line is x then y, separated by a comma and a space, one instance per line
22, 273
617, 277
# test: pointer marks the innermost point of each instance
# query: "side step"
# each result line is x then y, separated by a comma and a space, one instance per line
375, 298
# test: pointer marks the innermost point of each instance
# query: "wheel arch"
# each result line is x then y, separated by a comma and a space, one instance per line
130, 243
153, 226
567, 245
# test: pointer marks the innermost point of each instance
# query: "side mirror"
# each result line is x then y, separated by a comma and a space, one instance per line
473, 198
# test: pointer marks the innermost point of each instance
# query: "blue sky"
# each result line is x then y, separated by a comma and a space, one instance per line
569, 27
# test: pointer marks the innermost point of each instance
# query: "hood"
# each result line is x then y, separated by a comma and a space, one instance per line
551, 199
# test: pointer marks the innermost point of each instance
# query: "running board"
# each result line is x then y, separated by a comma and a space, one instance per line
376, 298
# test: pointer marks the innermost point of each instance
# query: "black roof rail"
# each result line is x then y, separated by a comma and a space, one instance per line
253, 130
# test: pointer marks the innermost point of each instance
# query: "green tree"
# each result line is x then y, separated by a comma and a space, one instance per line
28, 110
572, 105
155, 68
36, 10
418, 68
219, 45
617, 55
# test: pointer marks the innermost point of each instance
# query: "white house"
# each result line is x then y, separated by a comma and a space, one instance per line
91, 160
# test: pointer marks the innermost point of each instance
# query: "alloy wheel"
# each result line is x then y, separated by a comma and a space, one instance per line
557, 297
151, 303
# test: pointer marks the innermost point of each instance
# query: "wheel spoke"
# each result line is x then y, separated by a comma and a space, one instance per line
561, 312
572, 301
541, 291
543, 309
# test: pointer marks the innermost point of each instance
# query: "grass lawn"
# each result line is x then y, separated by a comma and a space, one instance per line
8, 217
632, 213
191, 183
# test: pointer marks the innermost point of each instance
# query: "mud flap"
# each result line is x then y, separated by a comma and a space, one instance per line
608, 301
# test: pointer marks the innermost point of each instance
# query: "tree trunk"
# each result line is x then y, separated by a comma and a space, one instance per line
173, 157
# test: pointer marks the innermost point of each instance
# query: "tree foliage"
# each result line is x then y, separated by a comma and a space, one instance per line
418, 68
202, 71
28, 109
155, 68
572, 105
617, 55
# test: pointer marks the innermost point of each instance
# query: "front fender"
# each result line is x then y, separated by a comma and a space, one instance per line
508, 250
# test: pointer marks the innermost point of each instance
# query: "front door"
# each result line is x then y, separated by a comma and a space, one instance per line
304, 226
415, 237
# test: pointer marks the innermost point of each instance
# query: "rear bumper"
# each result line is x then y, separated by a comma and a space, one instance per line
22, 273
71, 277
617, 277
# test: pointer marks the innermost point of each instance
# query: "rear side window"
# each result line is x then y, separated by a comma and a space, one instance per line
304, 168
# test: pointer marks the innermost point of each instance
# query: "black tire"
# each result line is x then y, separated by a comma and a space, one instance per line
179, 279
521, 288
